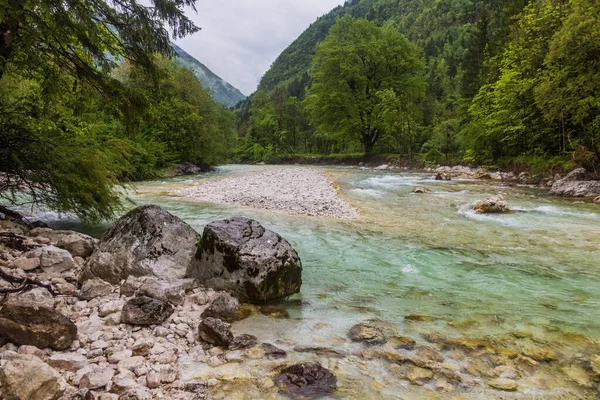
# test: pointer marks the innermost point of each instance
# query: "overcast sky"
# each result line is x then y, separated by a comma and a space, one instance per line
240, 39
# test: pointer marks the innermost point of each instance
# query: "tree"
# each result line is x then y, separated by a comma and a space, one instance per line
56, 65
353, 66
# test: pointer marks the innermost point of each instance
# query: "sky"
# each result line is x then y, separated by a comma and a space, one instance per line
240, 39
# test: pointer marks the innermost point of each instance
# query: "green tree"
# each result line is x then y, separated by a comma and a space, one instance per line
56, 63
353, 66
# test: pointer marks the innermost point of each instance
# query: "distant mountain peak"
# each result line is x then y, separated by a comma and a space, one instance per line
222, 91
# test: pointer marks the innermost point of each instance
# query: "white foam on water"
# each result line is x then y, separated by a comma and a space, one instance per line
368, 192
410, 269
559, 212
507, 220
391, 181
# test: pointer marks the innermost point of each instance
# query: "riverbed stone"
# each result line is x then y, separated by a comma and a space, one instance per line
93, 288
366, 334
29, 378
53, 260
36, 326
96, 377
215, 331
541, 354
254, 264
67, 361
146, 241
491, 205
504, 384
78, 244
143, 310
243, 341
418, 376
306, 381
224, 307
597, 200
422, 190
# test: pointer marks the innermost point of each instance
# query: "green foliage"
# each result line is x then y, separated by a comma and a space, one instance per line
77, 121
364, 77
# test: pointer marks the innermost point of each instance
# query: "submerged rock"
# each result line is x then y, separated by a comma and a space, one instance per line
215, 331
418, 375
422, 190
254, 264
29, 378
504, 384
306, 381
273, 351
146, 241
491, 205
36, 326
143, 310
366, 334
243, 341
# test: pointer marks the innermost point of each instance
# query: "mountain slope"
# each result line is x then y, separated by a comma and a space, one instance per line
223, 92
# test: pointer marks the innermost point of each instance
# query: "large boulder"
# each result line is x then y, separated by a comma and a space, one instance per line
491, 205
576, 184
36, 326
306, 381
254, 264
29, 378
146, 241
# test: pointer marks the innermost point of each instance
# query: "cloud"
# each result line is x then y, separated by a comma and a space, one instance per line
240, 39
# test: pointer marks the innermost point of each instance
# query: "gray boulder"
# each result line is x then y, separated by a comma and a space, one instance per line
146, 241
36, 326
28, 377
52, 259
225, 307
142, 310
78, 244
252, 263
576, 184
215, 331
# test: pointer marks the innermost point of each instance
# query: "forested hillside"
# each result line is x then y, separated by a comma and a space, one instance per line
505, 82
221, 91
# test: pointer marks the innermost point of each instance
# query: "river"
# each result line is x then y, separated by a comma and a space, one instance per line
533, 274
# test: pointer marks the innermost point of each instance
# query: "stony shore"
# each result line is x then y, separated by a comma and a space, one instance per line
293, 190
158, 336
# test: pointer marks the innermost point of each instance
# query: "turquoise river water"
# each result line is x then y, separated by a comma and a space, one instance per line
535, 271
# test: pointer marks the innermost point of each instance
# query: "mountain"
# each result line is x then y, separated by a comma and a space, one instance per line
223, 92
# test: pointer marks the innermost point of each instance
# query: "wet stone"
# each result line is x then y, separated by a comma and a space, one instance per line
403, 342
243, 341
306, 381
215, 331
273, 351
418, 376
366, 334
504, 384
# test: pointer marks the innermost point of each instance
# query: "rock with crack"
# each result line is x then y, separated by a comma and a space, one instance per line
306, 381
36, 326
252, 263
143, 310
146, 241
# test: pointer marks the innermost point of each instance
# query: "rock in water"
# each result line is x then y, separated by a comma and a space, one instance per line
214, 331
597, 200
144, 310
146, 241
306, 381
29, 378
367, 334
422, 190
36, 326
254, 264
491, 205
